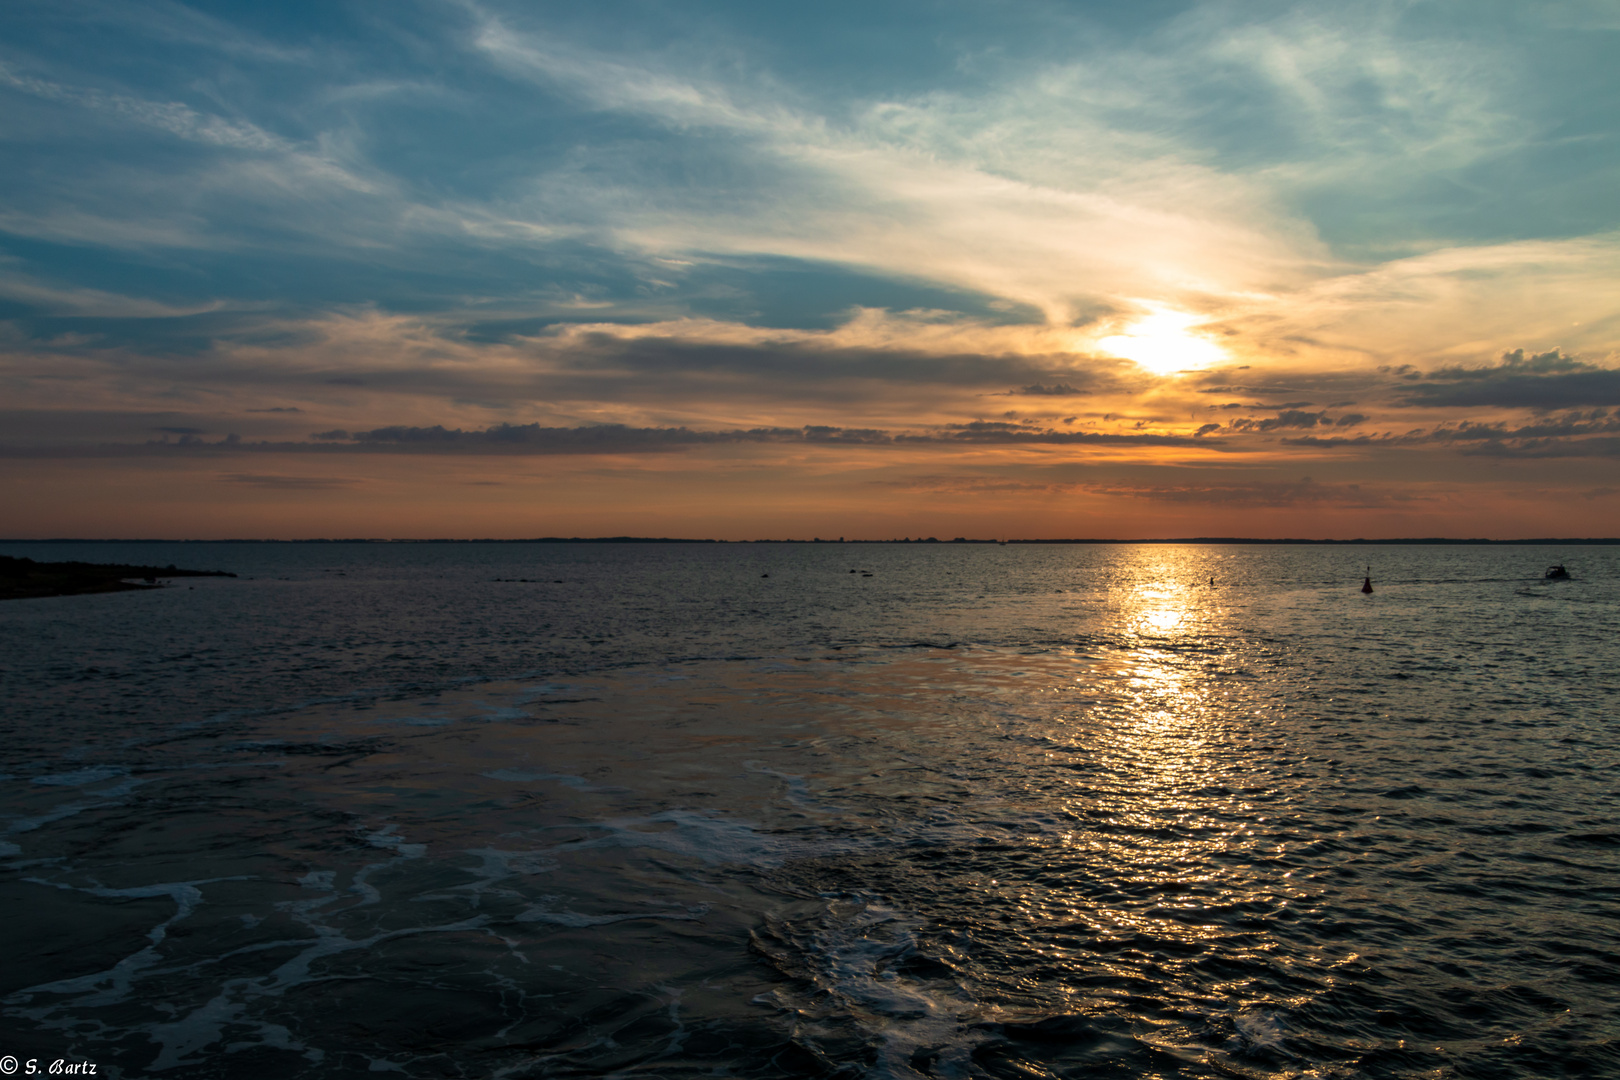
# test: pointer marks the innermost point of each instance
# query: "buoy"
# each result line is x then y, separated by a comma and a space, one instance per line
1366, 582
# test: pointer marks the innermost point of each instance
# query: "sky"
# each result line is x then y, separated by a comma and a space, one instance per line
471, 268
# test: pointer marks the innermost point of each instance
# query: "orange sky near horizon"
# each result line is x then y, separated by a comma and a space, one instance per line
734, 495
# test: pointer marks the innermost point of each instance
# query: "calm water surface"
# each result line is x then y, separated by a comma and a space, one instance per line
671, 810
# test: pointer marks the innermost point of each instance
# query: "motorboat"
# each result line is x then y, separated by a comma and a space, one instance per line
1556, 573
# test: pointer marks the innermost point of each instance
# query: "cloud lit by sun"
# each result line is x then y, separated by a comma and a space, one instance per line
1086, 269
1163, 342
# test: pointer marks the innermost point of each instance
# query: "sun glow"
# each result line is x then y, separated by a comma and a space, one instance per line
1163, 343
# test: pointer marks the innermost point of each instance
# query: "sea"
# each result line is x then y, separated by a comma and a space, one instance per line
814, 810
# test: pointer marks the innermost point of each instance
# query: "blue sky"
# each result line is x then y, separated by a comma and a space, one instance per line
283, 221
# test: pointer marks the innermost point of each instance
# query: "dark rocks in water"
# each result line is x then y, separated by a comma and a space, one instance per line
25, 579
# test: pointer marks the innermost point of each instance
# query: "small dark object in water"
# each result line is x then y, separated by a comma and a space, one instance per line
764, 575
1366, 582
1557, 573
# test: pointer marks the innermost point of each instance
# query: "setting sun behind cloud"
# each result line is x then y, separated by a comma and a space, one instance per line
1163, 342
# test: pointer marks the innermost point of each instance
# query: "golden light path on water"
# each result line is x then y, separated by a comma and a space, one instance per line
1163, 784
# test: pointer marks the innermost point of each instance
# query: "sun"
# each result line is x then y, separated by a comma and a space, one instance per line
1162, 343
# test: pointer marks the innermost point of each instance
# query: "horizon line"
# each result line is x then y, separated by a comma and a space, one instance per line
1607, 540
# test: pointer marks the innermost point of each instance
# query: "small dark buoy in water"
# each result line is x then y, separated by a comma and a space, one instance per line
764, 575
1212, 583
1366, 582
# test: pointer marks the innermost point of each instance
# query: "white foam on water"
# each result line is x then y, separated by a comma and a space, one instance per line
80, 777
677, 1037
576, 920
207, 1025
713, 840
798, 789
1258, 1031
475, 712
114, 984
494, 867
853, 962
501, 713
416, 721
498, 864
529, 776
532, 694
108, 796
386, 838
227, 1021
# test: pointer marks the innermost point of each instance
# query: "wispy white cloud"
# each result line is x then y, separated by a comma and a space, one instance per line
1350, 83
242, 174
1455, 303
99, 303
172, 117
911, 188
1074, 187
629, 84
171, 22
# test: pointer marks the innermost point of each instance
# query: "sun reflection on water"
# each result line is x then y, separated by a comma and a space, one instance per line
1162, 725
1164, 804
1164, 694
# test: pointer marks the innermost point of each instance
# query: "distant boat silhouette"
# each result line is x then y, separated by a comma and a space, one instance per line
1557, 573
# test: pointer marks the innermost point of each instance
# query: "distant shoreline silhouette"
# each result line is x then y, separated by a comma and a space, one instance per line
25, 579
1210, 540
